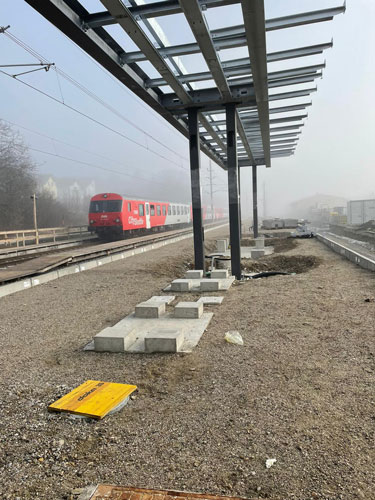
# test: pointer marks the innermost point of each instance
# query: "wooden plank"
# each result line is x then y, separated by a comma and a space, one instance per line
111, 492
93, 398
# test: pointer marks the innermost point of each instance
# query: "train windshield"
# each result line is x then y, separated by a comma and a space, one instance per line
99, 206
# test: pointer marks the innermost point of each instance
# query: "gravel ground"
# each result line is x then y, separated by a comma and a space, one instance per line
300, 390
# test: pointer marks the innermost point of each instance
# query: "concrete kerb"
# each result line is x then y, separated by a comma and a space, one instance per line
352, 255
91, 264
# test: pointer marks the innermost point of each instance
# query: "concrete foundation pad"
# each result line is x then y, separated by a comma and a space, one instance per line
196, 285
210, 285
188, 310
168, 299
211, 300
221, 245
114, 339
194, 274
259, 242
150, 309
219, 273
182, 285
163, 340
192, 330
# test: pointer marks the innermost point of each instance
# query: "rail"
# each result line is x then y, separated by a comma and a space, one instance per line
24, 237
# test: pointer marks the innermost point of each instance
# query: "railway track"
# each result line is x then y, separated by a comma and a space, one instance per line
33, 270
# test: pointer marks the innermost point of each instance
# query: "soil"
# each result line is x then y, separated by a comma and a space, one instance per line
285, 263
279, 244
300, 389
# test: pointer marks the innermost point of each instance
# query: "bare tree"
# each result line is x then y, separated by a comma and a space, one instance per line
17, 181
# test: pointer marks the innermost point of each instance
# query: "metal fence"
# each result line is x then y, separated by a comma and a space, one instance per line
24, 237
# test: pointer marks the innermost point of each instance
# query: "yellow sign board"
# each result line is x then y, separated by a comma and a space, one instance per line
93, 398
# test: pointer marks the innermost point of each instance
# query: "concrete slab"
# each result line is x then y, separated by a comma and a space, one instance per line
149, 309
211, 300
259, 242
192, 329
210, 285
221, 245
188, 310
256, 253
196, 285
163, 340
114, 339
168, 299
194, 274
219, 273
181, 285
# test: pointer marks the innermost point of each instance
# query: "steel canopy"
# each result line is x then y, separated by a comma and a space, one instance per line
244, 82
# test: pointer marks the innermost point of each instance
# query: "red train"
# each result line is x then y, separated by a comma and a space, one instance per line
114, 216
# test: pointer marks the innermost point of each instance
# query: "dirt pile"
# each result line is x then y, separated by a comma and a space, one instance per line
279, 244
290, 264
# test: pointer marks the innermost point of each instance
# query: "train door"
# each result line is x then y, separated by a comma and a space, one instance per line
148, 224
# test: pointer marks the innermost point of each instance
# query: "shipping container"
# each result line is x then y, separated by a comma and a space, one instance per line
360, 211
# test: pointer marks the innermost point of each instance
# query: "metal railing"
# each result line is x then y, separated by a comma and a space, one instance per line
24, 237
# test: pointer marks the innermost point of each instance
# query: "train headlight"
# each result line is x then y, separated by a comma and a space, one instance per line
117, 220
92, 221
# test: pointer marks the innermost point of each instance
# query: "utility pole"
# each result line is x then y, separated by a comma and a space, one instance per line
34, 198
212, 197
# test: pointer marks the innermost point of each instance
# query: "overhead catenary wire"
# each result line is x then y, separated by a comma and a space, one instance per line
54, 139
88, 92
94, 120
93, 165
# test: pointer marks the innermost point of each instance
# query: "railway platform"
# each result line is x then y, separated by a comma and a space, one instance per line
299, 390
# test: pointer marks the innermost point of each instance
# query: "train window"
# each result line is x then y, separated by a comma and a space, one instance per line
174, 210
101, 206
152, 209
129, 206
147, 208
158, 209
164, 210
169, 210
178, 210
141, 209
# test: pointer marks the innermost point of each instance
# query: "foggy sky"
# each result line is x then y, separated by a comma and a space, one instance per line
335, 154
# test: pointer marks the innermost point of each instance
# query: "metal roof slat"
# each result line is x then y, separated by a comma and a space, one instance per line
253, 14
201, 32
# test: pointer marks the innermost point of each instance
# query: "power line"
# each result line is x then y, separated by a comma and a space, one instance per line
93, 119
88, 92
53, 139
92, 165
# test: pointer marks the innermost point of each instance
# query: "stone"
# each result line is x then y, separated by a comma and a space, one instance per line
149, 309
188, 310
114, 339
210, 285
194, 274
219, 274
182, 285
221, 245
163, 340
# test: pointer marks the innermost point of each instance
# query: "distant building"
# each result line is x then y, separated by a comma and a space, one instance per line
317, 208
73, 192
361, 211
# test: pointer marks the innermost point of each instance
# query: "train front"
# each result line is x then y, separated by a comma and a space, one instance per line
105, 215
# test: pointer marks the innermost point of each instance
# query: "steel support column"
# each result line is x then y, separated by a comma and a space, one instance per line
232, 163
196, 188
255, 201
